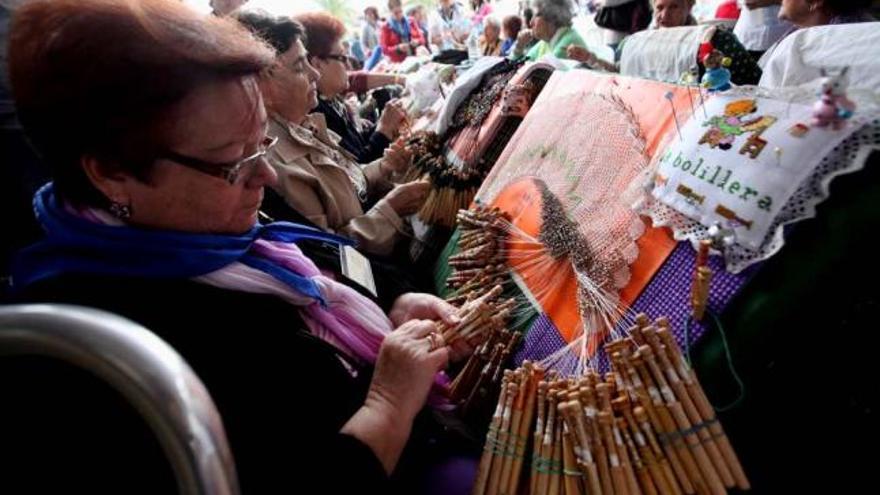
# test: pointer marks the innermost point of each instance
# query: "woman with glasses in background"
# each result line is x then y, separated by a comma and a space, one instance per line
324, 34
316, 176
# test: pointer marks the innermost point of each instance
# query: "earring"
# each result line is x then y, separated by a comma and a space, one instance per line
120, 211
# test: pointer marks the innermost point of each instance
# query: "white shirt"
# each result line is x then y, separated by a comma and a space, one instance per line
799, 58
458, 26
758, 29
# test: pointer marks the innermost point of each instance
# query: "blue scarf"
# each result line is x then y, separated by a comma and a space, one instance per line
76, 245
400, 27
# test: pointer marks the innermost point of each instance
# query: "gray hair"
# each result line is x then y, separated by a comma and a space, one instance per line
491, 19
556, 12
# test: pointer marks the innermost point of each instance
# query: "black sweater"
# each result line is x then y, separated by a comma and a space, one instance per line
366, 146
282, 393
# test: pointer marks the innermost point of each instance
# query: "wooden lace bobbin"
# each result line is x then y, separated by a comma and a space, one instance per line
671, 458
604, 392
702, 402
690, 409
547, 445
521, 377
600, 453
469, 375
535, 375
687, 471
704, 463
657, 465
538, 434
645, 481
700, 291
467, 379
570, 470
486, 375
586, 461
642, 423
481, 485
618, 478
503, 434
555, 486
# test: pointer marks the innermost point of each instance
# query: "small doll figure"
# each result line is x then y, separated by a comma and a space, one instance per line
833, 108
717, 77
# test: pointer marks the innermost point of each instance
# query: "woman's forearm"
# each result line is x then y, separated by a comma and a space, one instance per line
380, 426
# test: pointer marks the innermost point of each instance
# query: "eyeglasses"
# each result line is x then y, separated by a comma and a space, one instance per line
335, 56
230, 171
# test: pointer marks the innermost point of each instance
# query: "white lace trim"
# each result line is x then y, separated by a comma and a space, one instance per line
848, 157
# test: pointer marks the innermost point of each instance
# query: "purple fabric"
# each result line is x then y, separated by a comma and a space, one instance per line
542, 340
668, 294
452, 476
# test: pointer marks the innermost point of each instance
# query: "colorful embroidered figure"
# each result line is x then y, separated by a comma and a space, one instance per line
725, 129
833, 107
692, 197
755, 144
717, 76
732, 216
799, 130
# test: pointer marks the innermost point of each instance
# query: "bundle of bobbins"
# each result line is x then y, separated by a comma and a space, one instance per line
478, 266
477, 279
452, 187
645, 427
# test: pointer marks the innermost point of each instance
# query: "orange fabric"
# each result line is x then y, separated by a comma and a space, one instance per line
522, 199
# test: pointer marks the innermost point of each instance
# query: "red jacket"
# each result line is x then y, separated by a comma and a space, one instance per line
389, 39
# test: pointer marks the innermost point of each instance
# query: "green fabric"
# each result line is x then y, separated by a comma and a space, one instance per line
522, 320
804, 338
442, 270
557, 46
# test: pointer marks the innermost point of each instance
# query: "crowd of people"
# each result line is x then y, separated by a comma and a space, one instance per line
167, 134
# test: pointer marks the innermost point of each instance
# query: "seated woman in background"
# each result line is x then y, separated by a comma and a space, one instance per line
551, 26
323, 43
759, 25
677, 13
511, 27
811, 13
157, 155
490, 41
400, 36
316, 176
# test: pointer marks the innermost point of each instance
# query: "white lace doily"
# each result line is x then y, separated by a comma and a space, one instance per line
848, 157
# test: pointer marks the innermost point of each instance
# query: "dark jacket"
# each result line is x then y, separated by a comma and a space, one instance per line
366, 145
282, 393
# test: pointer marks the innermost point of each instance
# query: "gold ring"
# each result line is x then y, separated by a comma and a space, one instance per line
434, 338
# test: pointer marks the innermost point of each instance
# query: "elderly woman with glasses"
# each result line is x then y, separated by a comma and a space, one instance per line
551, 25
323, 38
316, 176
158, 159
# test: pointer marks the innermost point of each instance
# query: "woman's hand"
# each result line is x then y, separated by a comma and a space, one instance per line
397, 158
523, 39
406, 367
430, 307
406, 199
516, 101
418, 306
581, 54
391, 119
404, 374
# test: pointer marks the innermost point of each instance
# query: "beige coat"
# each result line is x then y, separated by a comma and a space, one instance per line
322, 181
